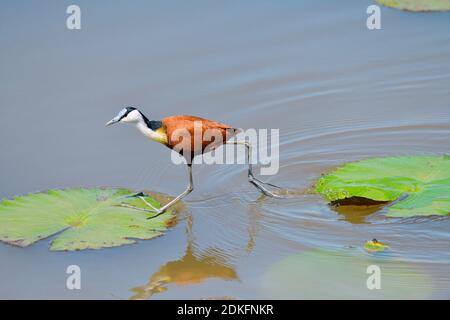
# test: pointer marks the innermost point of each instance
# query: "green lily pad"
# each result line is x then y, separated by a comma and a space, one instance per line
417, 5
375, 246
421, 184
80, 219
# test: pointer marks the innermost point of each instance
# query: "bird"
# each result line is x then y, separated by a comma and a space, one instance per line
179, 133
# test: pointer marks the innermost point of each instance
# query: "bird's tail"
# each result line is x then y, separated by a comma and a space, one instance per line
231, 132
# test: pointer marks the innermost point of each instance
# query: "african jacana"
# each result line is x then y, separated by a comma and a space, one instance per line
179, 134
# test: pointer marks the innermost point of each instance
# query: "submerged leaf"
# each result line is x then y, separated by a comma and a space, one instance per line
323, 274
82, 218
417, 5
421, 184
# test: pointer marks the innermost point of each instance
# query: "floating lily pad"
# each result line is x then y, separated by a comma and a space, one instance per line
322, 274
417, 5
421, 184
375, 246
80, 219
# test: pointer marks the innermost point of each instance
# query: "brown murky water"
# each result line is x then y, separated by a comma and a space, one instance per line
337, 91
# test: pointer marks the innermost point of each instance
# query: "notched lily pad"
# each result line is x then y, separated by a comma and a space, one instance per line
417, 5
419, 185
80, 219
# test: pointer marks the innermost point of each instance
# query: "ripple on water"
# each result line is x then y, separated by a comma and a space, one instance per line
306, 219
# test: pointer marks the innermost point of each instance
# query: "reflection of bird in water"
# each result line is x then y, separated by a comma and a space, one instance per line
192, 268
179, 133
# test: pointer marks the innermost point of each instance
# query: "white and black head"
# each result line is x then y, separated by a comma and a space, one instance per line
134, 116
128, 115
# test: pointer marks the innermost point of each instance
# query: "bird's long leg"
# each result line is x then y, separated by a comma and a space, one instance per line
163, 209
188, 190
251, 178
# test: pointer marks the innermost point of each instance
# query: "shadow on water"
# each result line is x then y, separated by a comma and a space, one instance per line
356, 210
356, 214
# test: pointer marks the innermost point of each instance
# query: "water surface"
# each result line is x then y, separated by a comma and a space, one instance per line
337, 91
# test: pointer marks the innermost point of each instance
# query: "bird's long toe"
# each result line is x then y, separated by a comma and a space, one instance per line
267, 183
158, 213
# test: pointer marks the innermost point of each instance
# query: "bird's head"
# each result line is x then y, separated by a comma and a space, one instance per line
128, 114
146, 127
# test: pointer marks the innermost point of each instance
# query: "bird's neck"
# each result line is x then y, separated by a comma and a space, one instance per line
158, 135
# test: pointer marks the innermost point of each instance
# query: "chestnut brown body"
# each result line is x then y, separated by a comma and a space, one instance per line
191, 136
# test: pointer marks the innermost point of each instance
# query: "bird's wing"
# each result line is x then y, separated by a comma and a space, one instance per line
190, 124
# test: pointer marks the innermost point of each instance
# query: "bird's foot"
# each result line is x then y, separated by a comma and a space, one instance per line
125, 205
265, 183
152, 209
260, 186
139, 194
